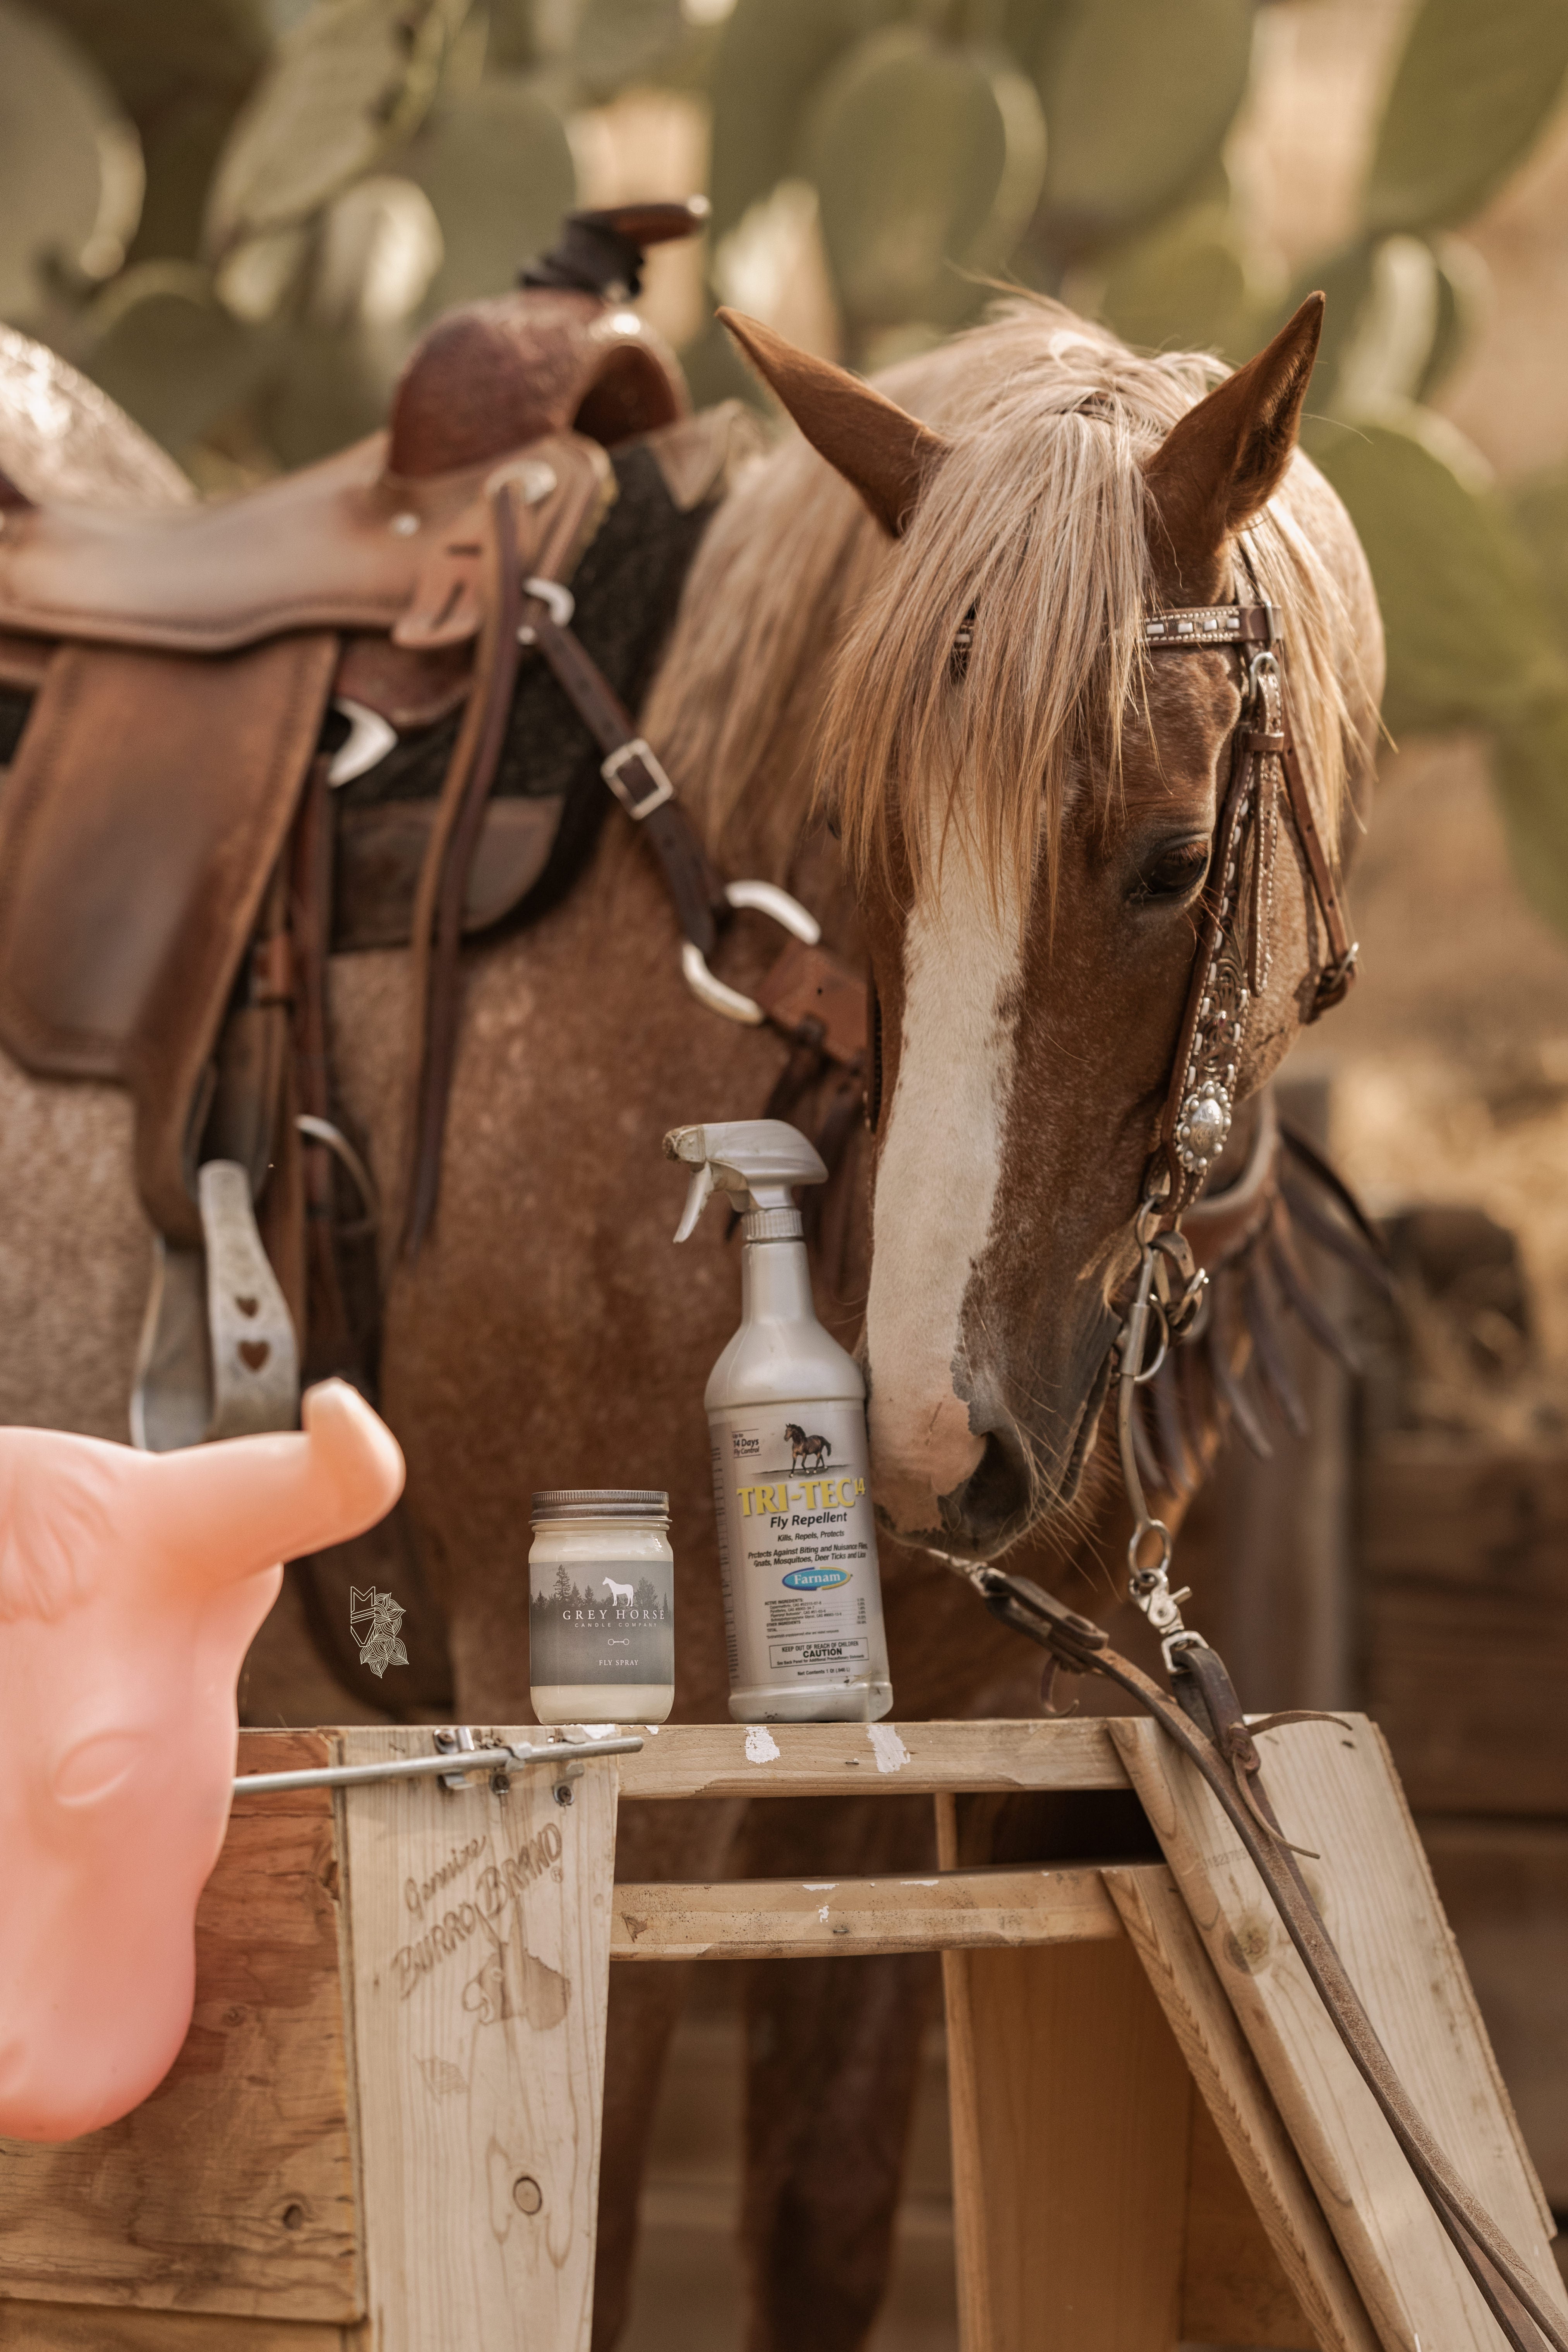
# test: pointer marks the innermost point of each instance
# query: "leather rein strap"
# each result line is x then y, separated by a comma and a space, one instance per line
1204, 1718
1210, 1731
1231, 967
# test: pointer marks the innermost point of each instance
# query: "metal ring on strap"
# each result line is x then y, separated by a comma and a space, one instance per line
763, 898
369, 739
558, 601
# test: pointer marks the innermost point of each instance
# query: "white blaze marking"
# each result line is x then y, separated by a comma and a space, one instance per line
761, 1747
937, 1179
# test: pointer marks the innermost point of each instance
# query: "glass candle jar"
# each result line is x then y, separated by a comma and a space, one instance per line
601, 1606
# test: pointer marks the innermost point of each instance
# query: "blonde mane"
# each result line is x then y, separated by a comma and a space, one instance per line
813, 657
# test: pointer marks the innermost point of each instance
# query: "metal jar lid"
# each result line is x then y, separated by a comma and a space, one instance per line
601, 1503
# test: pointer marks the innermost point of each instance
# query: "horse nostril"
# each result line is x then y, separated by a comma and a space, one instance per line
996, 1497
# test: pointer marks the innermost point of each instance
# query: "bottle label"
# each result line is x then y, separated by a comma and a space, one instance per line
609, 1620
797, 1544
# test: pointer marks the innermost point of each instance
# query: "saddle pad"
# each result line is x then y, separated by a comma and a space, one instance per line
340, 545
146, 807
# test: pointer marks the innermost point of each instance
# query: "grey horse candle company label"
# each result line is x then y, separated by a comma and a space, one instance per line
601, 1606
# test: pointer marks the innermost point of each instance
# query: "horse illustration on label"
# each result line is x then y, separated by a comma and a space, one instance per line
801, 1446
624, 1593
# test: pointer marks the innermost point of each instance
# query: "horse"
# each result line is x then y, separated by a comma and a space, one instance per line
910, 683
622, 1593
801, 1446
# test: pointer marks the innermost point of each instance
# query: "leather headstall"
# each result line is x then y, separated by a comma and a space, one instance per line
1232, 964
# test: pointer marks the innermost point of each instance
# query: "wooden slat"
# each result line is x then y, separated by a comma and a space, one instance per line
781, 1919
1070, 2108
1234, 2290
481, 1970
1337, 1792
828, 1760
90, 2327
1466, 1565
1228, 2296
231, 2188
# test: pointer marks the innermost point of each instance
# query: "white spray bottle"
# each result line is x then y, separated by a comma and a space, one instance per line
786, 1406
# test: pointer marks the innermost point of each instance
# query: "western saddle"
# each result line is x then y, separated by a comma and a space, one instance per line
179, 857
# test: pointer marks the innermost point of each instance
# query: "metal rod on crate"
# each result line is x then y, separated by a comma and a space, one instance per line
452, 1762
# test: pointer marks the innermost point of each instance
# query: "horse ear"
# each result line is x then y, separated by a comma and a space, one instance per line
878, 447
1223, 463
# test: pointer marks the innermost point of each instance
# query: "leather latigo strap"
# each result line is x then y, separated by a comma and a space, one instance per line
520, 533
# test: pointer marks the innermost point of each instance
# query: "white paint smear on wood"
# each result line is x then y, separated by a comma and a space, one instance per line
887, 1747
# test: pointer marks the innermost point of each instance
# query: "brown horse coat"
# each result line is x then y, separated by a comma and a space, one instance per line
1026, 881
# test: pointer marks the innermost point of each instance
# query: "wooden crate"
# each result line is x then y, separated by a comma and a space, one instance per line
383, 2134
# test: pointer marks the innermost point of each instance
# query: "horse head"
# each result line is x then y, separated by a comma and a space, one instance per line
1027, 800
130, 1586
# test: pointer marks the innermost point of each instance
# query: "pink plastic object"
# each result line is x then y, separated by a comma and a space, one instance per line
130, 1586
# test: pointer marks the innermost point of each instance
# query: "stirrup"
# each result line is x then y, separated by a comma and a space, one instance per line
218, 1357
763, 898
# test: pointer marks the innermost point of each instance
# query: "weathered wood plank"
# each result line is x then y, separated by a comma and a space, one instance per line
1071, 2106
480, 1963
1337, 1791
1241, 2152
231, 2188
90, 2327
830, 1760
781, 1919
1466, 1564
1234, 2290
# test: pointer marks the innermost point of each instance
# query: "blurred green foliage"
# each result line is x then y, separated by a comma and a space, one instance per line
236, 214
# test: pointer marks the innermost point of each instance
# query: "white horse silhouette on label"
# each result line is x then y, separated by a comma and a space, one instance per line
618, 1591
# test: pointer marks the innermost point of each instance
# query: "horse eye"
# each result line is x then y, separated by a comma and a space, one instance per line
1174, 871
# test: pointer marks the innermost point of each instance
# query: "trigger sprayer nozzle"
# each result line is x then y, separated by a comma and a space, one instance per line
755, 1161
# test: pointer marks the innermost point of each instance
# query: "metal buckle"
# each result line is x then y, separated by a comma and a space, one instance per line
610, 769
764, 898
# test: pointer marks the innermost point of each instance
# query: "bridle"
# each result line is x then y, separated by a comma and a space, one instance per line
1202, 1713
1230, 972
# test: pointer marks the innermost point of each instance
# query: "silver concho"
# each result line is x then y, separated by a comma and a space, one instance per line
1203, 1125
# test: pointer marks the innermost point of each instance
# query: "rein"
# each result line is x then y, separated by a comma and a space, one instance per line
1202, 1715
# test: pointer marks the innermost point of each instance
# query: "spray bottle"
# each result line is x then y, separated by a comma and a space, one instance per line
787, 1407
